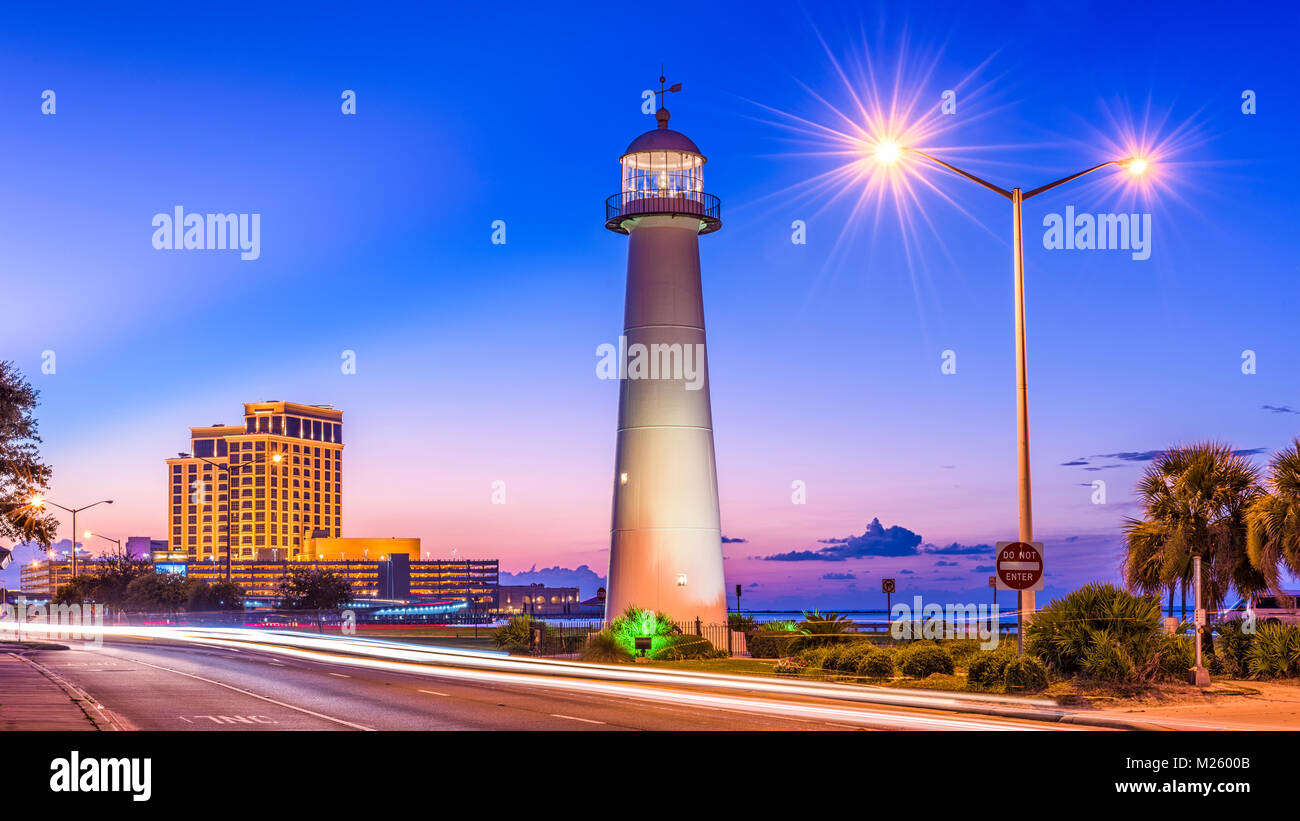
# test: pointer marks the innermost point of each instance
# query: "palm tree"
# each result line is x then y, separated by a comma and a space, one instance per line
1273, 518
1194, 499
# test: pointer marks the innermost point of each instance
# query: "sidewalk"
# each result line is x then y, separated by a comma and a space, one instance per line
31, 700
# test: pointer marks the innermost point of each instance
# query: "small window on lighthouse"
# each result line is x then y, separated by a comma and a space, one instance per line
622, 478
681, 579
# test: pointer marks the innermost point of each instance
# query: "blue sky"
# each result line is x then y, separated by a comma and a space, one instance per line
476, 362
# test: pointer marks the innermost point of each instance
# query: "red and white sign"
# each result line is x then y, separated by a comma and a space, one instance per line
1020, 566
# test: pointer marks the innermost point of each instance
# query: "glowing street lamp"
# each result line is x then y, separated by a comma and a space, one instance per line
88, 536
39, 502
889, 153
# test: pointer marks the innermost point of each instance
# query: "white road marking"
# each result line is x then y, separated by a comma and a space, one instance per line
340, 675
434, 693
575, 718
255, 695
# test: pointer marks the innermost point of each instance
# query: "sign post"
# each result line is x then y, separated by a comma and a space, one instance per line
887, 587
1019, 567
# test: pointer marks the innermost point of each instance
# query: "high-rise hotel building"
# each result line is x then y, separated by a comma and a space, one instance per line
279, 478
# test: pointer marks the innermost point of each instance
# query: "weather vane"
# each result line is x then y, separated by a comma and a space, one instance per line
659, 95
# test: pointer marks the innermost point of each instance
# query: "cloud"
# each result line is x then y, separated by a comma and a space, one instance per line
957, 549
1279, 409
942, 563
1151, 455
729, 540
906, 572
837, 577
983, 568
581, 577
876, 540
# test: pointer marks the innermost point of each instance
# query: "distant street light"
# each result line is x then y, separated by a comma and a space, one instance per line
39, 502
889, 152
88, 535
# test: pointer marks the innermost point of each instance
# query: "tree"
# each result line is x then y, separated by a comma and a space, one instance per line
22, 474
107, 586
314, 589
1194, 500
1273, 518
218, 595
157, 592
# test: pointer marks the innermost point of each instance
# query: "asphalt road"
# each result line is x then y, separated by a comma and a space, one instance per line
159, 685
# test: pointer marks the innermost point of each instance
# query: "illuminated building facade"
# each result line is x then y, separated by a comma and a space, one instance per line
537, 600
278, 479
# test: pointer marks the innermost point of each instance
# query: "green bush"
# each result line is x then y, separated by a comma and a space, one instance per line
1232, 649
772, 644
830, 659
846, 656
1274, 651
789, 667
683, 647
1177, 655
515, 637
1064, 631
924, 660
876, 663
814, 656
1106, 659
604, 647
988, 669
1025, 675
963, 651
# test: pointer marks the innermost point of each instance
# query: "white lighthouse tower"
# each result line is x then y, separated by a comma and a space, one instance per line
666, 540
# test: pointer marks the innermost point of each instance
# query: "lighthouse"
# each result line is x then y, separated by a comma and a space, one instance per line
665, 550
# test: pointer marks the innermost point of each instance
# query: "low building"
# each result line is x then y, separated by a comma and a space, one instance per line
537, 600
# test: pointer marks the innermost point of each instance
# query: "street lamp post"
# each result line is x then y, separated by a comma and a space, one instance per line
89, 535
275, 458
889, 152
40, 502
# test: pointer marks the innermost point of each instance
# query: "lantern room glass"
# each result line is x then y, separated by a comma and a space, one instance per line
676, 174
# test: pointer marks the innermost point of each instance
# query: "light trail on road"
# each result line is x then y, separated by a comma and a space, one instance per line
749, 694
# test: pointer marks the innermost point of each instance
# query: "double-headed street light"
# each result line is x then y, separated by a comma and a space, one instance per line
39, 502
274, 458
888, 153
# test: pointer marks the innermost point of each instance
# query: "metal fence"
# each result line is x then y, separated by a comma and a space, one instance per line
563, 639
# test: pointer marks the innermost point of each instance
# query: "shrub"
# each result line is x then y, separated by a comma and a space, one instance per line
988, 669
637, 623
1177, 655
1025, 675
1274, 651
876, 663
1063, 632
1106, 659
813, 657
963, 650
924, 660
830, 658
516, 636
771, 644
1232, 649
789, 666
848, 655
604, 647
683, 647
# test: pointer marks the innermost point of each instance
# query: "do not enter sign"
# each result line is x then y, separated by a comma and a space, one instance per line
1020, 566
